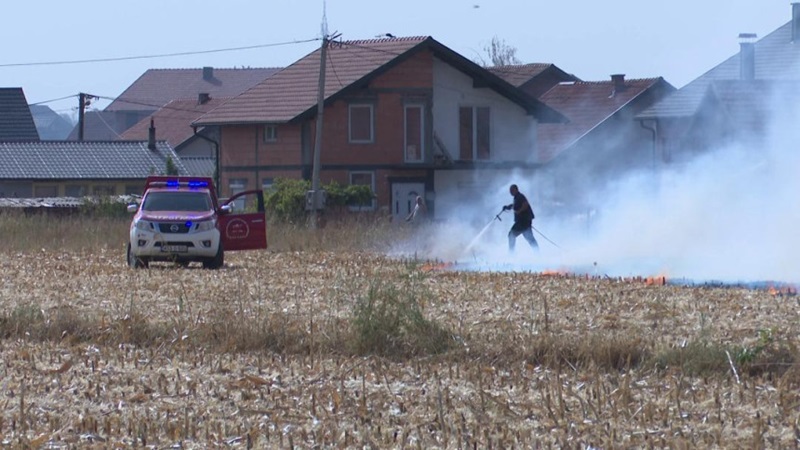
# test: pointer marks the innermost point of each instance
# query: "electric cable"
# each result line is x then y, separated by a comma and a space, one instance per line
163, 55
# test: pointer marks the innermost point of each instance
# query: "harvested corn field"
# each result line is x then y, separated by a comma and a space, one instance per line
352, 349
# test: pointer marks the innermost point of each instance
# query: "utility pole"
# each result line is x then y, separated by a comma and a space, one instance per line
316, 198
84, 100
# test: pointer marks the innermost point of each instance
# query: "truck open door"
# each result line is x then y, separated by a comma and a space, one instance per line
244, 230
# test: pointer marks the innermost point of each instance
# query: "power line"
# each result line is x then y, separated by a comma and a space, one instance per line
54, 100
164, 55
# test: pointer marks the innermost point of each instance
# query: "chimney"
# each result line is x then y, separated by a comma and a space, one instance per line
747, 56
208, 73
151, 136
203, 98
795, 22
618, 81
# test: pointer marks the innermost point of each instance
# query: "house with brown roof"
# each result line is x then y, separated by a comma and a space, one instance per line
534, 78
157, 87
601, 141
173, 123
406, 116
729, 104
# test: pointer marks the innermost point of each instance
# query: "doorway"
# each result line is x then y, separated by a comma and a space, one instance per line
403, 197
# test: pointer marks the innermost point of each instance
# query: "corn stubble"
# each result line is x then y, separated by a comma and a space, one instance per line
330, 349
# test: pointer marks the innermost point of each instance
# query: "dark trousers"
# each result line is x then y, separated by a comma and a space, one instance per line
526, 232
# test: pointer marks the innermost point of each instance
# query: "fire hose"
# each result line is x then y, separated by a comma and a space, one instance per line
534, 229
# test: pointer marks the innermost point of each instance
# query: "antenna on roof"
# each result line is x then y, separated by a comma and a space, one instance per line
324, 19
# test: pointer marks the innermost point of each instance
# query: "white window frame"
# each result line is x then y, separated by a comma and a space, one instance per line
267, 183
421, 108
474, 109
371, 123
373, 205
270, 133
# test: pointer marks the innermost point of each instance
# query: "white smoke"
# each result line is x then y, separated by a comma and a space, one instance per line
730, 215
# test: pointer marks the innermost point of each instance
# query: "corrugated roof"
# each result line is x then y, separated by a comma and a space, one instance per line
293, 91
16, 121
586, 104
84, 160
173, 122
157, 87
776, 58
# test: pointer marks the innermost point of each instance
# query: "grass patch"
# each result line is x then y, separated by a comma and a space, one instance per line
388, 321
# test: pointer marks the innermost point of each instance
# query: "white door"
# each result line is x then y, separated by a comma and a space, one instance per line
404, 196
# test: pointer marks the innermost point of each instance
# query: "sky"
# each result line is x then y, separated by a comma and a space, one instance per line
678, 40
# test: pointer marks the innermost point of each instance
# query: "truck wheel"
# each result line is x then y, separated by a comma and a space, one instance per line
217, 261
134, 261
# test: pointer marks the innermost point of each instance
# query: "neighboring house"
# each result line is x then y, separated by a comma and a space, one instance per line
157, 87
405, 116
16, 121
534, 78
681, 121
50, 125
601, 141
173, 123
76, 169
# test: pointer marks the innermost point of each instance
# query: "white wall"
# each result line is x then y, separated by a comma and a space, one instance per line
475, 195
513, 131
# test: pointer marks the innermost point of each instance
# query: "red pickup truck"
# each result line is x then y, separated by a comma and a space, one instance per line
180, 219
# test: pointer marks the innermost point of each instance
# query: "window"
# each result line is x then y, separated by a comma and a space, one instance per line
236, 186
415, 130
363, 179
474, 133
270, 133
133, 189
361, 126
104, 190
45, 191
76, 190
266, 183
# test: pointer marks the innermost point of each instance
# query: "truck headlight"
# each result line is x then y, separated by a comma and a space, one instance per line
143, 225
206, 225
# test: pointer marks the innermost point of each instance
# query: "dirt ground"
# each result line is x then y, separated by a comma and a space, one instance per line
67, 392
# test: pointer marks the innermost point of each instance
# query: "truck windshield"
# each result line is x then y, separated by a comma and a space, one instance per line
177, 201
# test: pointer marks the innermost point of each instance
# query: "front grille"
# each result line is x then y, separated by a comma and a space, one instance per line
187, 244
173, 227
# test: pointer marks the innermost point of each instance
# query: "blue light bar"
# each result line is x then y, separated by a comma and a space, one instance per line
173, 183
198, 184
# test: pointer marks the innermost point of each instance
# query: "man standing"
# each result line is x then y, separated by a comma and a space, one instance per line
523, 218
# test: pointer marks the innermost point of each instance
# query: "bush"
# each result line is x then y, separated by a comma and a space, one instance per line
285, 201
388, 321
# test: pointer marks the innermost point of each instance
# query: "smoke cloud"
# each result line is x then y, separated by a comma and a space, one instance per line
730, 215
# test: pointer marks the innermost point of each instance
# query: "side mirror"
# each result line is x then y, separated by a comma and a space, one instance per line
133, 207
225, 209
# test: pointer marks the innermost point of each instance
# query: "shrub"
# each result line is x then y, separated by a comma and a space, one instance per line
388, 321
286, 200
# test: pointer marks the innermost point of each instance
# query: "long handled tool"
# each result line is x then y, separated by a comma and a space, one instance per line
546, 238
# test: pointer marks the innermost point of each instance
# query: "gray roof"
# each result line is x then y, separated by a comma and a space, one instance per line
776, 58
70, 160
16, 121
199, 166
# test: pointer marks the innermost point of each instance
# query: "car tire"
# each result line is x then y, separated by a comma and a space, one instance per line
134, 261
217, 261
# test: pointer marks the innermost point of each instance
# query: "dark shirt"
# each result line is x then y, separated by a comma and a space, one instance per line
525, 217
